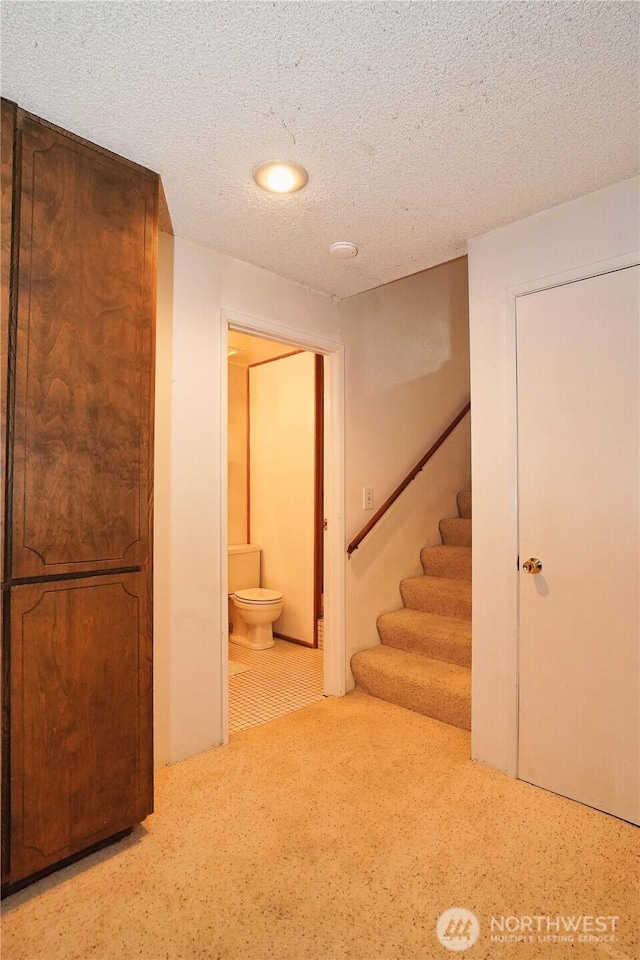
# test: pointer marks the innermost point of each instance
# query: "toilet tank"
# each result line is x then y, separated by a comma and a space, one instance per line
244, 566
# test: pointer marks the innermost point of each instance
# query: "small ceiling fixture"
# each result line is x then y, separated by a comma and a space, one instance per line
343, 250
280, 176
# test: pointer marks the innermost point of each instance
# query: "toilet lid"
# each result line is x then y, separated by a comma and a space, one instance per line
258, 595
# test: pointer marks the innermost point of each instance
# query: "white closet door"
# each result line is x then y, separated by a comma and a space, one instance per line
579, 515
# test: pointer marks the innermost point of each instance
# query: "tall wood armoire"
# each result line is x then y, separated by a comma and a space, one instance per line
79, 236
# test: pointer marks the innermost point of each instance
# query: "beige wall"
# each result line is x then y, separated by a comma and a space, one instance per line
237, 459
574, 240
282, 403
407, 376
195, 285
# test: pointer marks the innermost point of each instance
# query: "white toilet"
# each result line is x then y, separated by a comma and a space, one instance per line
252, 609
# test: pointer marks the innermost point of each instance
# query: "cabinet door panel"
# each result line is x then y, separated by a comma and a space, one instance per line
7, 130
80, 736
86, 298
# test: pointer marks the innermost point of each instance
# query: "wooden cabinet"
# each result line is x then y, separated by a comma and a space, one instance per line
85, 294
80, 299
80, 724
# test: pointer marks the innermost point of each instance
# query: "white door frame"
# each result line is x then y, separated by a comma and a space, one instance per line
583, 272
334, 494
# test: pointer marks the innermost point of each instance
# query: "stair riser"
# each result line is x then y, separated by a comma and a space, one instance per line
456, 532
455, 711
428, 645
427, 598
464, 504
437, 563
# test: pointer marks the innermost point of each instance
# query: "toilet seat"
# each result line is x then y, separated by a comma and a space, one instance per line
258, 595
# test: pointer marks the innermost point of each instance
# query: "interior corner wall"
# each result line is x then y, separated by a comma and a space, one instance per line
407, 376
571, 241
162, 501
194, 285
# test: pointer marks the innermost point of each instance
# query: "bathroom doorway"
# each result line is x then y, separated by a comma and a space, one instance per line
275, 498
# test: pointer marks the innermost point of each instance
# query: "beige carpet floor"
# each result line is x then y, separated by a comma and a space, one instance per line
341, 831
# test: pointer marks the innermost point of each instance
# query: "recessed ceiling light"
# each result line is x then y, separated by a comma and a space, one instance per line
280, 176
343, 250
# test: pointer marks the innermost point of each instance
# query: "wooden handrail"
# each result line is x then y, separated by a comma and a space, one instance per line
357, 540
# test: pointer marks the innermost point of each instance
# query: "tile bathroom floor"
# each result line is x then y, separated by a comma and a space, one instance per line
277, 681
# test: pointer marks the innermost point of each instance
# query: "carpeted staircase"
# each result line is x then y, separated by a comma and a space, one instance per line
424, 660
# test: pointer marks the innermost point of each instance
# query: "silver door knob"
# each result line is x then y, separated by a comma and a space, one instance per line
532, 565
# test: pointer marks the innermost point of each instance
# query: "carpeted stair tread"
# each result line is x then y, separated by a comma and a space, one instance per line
447, 561
440, 595
431, 687
424, 660
440, 638
456, 531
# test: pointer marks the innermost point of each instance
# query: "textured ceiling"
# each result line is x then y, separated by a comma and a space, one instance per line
421, 124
